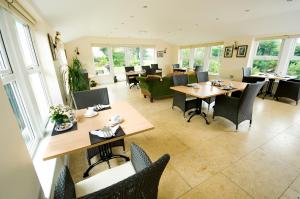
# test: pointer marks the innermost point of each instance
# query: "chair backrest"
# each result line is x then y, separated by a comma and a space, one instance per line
202, 76
180, 79
145, 68
143, 184
247, 71
175, 65
150, 71
154, 66
248, 97
249, 79
65, 187
84, 99
129, 68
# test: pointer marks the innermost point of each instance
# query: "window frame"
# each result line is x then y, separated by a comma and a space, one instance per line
20, 74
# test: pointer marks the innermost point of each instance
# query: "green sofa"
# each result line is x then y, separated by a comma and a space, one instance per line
156, 87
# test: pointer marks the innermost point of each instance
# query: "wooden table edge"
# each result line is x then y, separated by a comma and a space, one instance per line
98, 144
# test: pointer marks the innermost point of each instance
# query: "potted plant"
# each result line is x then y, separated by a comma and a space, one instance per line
77, 78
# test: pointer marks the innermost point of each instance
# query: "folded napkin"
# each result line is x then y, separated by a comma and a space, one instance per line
106, 132
100, 107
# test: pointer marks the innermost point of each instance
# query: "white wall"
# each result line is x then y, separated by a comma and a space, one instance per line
233, 66
86, 57
18, 178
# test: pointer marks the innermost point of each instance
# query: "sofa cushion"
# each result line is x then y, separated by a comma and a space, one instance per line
104, 179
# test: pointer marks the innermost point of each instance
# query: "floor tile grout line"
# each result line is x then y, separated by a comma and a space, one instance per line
289, 186
237, 185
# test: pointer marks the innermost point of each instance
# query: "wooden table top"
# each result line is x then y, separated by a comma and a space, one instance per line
275, 77
66, 143
206, 90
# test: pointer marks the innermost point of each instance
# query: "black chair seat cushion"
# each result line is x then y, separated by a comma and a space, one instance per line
64, 188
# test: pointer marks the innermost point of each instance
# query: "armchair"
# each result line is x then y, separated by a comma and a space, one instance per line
235, 109
289, 89
138, 178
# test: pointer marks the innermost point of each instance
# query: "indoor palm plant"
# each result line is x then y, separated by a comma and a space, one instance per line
76, 77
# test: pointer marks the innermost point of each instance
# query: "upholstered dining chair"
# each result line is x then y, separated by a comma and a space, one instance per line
155, 66
138, 178
89, 98
145, 68
203, 77
181, 100
235, 109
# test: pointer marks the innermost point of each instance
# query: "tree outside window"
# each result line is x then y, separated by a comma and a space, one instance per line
185, 57
101, 60
214, 63
267, 56
199, 57
294, 65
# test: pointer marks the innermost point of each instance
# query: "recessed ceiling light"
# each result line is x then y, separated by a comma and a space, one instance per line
196, 24
131, 16
145, 6
247, 10
217, 19
122, 23
143, 31
289, 0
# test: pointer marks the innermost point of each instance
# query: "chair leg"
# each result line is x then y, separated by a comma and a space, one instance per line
89, 162
250, 123
236, 127
108, 163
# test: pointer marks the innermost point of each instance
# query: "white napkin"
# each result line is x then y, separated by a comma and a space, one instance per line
107, 132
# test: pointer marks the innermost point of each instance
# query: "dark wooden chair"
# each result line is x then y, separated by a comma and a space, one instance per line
289, 89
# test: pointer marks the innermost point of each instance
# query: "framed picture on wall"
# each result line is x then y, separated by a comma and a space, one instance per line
242, 51
228, 51
51, 44
160, 53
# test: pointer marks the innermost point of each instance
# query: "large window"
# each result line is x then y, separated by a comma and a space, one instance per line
23, 79
119, 57
294, 65
185, 57
199, 55
214, 62
267, 56
148, 56
101, 60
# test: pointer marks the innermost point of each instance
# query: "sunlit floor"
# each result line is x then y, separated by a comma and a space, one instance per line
215, 161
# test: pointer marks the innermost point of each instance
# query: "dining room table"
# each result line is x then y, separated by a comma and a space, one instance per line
80, 138
271, 78
209, 89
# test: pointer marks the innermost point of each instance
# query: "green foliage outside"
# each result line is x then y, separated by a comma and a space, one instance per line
118, 58
294, 68
297, 50
103, 60
214, 66
198, 62
269, 48
264, 66
185, 53
135, 56
216, 51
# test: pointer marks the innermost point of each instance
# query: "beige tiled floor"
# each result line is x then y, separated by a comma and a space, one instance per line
215, 161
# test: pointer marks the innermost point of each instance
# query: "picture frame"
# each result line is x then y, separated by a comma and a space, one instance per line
51, 45
228, 51
242, 51
160, 54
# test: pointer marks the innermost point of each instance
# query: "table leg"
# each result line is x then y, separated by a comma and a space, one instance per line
269, 88
198, 112
106, 154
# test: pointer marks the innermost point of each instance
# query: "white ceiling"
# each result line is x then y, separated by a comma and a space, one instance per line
175, 21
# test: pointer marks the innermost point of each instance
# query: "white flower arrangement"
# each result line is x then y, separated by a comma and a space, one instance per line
61, 113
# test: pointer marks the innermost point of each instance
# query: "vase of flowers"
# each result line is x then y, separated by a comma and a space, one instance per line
61, 114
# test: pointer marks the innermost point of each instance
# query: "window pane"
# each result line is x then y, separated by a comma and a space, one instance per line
148, 56
264, 66
39, 94
185, 57
199, 57
134, 56
216, 51
101, 60
269, 47
20, 113
4, 63
294, 68
214, 66
27, 49
119, 63
297, 49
